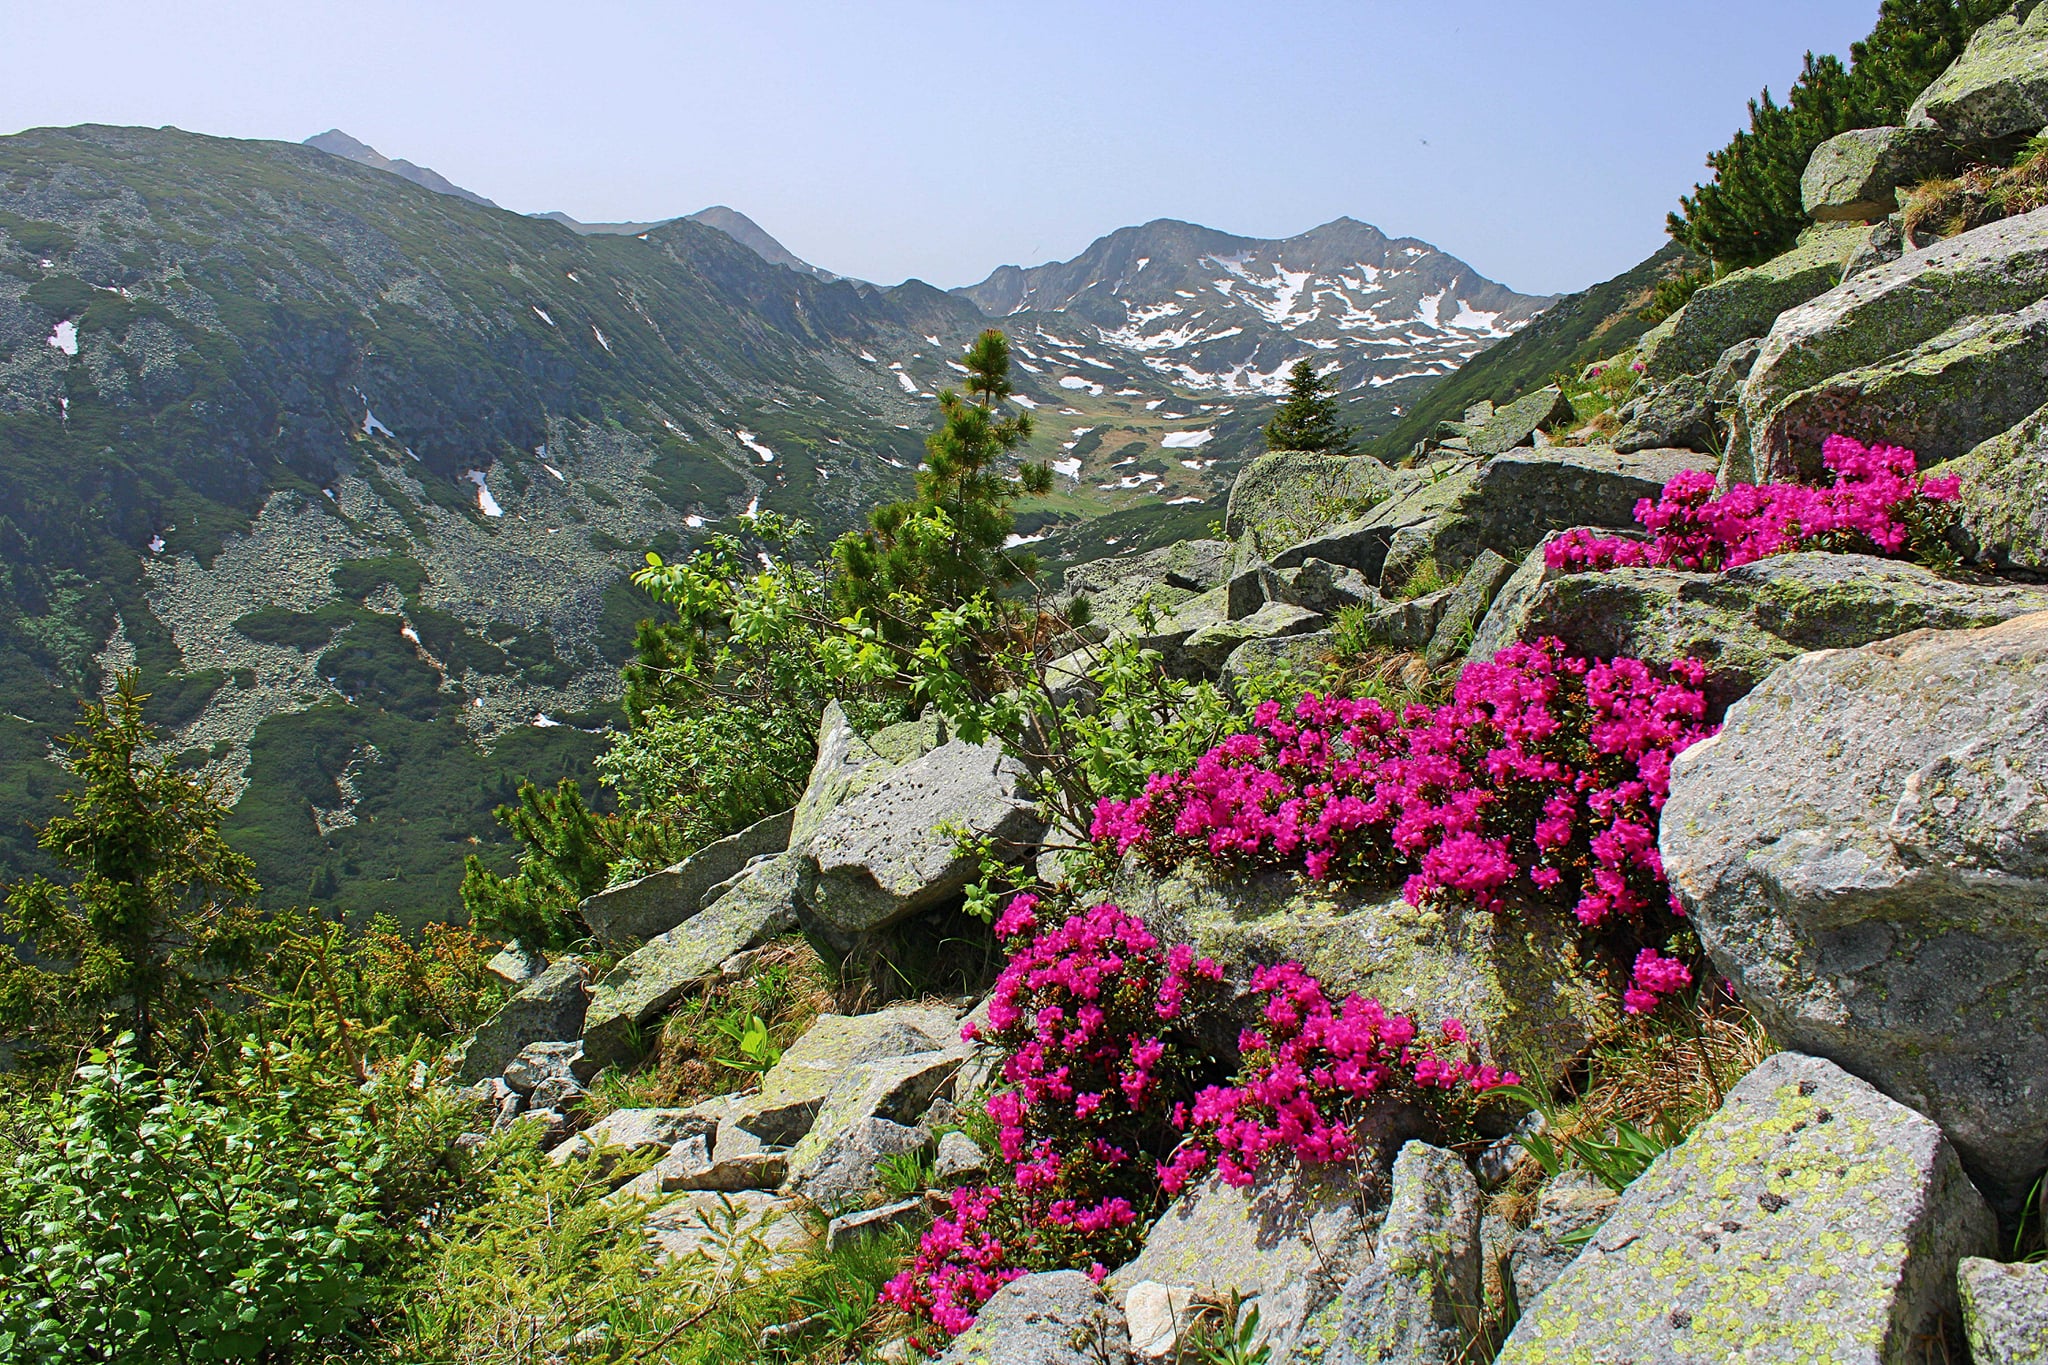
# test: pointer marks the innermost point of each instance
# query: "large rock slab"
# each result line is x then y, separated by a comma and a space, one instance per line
1466, 606
836, 1164
1418, 1302
1747, 621
1855, 176
1058, 1318
1287, 496
793, 1090
1745, 302
1419, 498
1521, 984
848, 765
1864, 851
2005, 1312
2003, 512
547, 1009
2001, 267
1208, 648
1810, 1219
648, 981
1121, 589
1516, 424
661, 900
1676, 414
1998, 86
1300, 658
1938, 399
882, 856
1289, 1244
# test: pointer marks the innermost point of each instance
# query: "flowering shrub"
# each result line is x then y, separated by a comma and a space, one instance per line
1877, 505
1308, 1074
1097, 1021
1655, 976
1543, 773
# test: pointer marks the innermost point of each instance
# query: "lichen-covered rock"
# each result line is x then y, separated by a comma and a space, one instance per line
1167, 632
1299, 656
1289, 1243
541, 1062
1885, 244
516, 963
885, 854
1855, 176
958, 1161
2005, 1312
1418, 1301
1408, 624
848, 765
1999, 268
1744, 302
1864, 851
835, 1164
648, 981
1810, 1219
1208, 647
1516, 424
1419, 497
1678, 413
1998, 86
547, 1009
1521, 984
635, 1130
1120, 588
2004, 506
1058, 1318
1938, 399
792, 1090
843, 1171
1569, 1207
661, 900
1328, 588
1466, 607
1289, 495
1747, 621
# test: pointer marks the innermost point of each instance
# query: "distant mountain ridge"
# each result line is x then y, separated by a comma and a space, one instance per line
1213, 312
337, 143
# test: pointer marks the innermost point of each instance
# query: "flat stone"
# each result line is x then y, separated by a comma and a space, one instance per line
848, 765
1516, 424
1997, 86
1809, 1219
1159, 1318
1328, 588
1863, 850
2005, 1312
539, 1062
1301, 657
635, 1130
842, 1170
795, 1087
960, 1161
1291, 1242
704, 1226
822, 1164
882, 857
547, 1009
1058, 1318
1855, 176
849, 1228
516, 963
1208, 647
1679, 413
660, 901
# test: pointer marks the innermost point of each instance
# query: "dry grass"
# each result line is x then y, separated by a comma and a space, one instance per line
1980, 195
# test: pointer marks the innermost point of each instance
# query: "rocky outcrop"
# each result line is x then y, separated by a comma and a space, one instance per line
1059, 1318
1522, 985
1516, 424
848, 765
794, 1089
1465, 607
1208, 648
648, 981
872, 1111
1418, 1301
2004, 504
1120, 589
1863, 849
1288, 1243
660, 901
1811, 1218
886, 854
1570, 1207
1855, 176
1998, 86
1287, 496
1679, 414
547, 1009
1746, 302
1996, 269
2005, 1312
1747, 621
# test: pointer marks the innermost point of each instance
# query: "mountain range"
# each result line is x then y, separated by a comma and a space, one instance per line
352, 464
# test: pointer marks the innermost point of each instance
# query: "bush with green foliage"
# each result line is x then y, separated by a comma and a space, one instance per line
155, 926
1309, 418
1750, 211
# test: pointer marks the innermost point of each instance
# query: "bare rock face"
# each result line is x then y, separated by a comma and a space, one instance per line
1810, 1219
1864, 852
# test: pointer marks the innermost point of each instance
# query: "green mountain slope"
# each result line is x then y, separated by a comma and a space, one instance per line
351, 470
1576, 330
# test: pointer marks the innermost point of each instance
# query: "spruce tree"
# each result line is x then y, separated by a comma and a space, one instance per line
155, 923
1308, 418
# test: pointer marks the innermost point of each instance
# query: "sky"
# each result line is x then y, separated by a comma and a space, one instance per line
1542, 141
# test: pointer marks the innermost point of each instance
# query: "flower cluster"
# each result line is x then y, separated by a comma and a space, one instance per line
1096, 1019
1309, 1072
1877, 504
1543, 773
1655, 976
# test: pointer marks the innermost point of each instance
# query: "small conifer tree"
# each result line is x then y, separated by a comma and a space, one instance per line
156, 922
1308, 418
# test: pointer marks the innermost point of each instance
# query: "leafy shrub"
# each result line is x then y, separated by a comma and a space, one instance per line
1542, 775
1877, 505
145, 1221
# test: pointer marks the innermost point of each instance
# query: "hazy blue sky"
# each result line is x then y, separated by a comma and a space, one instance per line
1543, 141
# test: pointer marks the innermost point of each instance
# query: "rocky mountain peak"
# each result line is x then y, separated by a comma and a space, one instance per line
337, 143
